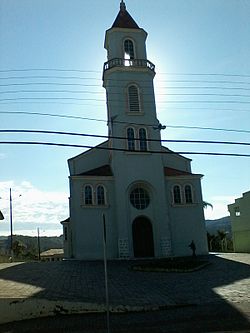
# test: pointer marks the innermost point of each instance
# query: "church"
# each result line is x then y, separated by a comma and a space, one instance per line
150, 199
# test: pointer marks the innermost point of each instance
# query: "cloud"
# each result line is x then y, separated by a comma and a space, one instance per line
219, 207
33, 207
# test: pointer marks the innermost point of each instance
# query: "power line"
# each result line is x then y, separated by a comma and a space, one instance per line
121, 137
117, 93
118, 101
120, 149
52, 98
172, 107
207, 74
51, 83
115, 86
48, 77
95, 71
116, 80
48, 69
124, 122
53, 115
208, 128
55, 91
206, 81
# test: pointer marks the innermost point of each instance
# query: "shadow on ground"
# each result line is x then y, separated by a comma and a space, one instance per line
217, 288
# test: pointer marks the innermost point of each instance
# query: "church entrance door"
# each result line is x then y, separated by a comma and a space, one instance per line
143, 240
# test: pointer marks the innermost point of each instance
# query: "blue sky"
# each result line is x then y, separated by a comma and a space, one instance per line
186, 40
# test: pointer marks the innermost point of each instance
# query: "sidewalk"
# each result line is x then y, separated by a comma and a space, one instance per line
29, 290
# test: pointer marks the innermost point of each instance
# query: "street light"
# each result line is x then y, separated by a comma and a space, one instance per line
38, 244
11, 225
11, 222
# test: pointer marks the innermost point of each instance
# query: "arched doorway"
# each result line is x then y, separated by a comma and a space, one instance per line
143, 241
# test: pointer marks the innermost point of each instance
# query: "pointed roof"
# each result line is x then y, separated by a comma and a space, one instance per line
124, 19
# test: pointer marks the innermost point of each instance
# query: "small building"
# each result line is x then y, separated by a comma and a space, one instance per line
66, 238
52, 255
240, 221
151, 200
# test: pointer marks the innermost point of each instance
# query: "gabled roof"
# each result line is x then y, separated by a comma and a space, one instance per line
65, 221
124, 19
104, 170
174, 172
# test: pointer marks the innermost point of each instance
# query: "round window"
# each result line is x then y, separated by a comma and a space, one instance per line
139, 198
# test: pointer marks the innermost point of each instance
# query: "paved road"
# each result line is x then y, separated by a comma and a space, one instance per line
222, 286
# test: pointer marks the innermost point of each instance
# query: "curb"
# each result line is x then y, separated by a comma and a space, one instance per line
141, 268
17, 309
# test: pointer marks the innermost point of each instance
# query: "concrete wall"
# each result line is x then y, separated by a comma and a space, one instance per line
187, 220
87, 221
240, 221
115, 38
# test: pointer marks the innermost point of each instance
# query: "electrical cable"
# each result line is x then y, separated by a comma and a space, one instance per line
124, 122
120, 149
95, 71
116, 101
122, 137
117, 93
116, 80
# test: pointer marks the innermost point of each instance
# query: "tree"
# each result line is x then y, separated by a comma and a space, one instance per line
207, 204
210, 240
222, 238
18, 248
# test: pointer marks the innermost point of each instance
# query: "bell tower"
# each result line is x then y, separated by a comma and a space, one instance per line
128, 79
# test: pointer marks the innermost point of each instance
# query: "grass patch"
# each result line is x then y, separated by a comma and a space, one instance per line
181, 265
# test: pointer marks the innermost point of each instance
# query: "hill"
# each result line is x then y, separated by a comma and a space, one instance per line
223, 224
46, 243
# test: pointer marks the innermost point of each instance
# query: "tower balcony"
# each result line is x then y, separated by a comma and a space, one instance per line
134, 63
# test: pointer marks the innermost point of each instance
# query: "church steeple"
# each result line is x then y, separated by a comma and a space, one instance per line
124, 19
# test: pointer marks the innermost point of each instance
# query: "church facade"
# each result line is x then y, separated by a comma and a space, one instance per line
151, 200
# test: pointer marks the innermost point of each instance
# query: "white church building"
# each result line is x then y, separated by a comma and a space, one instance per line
151, 200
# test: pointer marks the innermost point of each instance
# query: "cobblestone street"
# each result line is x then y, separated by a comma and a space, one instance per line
225, 281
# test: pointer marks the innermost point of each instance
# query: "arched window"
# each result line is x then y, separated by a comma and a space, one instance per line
143, 139
129, 49
88, 195
177, 194
188, 194
131, 138
100, 195
133, 99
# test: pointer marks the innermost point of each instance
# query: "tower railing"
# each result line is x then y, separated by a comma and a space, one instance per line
119, 62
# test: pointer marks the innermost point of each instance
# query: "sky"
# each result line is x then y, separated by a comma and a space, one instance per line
51, 60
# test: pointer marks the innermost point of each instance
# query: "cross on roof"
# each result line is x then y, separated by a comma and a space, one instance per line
122, 5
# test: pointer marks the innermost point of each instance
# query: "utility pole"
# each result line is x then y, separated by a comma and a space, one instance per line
11, 227
38, 244
105, 270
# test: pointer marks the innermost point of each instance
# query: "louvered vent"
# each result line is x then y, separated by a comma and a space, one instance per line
134, 105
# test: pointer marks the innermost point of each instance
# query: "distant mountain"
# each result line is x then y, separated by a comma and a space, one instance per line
46, 243
223, 224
